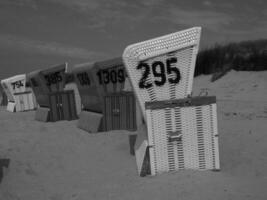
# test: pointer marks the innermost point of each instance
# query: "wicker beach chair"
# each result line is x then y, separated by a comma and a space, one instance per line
181, 130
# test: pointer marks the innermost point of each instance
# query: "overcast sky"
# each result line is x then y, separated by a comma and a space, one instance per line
39, 33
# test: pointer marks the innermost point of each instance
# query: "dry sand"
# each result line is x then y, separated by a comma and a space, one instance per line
57, 161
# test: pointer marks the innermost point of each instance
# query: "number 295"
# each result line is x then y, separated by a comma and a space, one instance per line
159, 70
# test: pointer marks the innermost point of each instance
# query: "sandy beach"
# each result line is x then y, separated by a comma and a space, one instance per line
58, 161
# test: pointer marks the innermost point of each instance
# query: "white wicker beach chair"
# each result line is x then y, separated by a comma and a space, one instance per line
163, 68
182, 134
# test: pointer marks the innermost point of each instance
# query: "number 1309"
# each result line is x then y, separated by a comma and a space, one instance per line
159, 70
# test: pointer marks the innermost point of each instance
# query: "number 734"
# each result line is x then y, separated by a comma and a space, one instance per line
173, 75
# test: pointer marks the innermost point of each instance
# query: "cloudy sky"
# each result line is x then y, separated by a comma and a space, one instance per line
40, 33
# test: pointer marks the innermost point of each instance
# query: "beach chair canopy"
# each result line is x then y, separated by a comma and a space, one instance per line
14, 84
163, 68
46, 81
109, 76
86, 85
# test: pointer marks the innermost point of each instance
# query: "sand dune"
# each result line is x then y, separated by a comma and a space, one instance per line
57, 161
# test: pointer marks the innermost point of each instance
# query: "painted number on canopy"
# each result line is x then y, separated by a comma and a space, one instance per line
113, 76
53, 78
159, 70
17, 84
83, 78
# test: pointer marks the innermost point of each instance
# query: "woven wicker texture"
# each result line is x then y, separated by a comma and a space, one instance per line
25, 101
163, 68
183, 138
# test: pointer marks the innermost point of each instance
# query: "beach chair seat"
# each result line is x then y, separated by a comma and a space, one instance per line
182, 134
